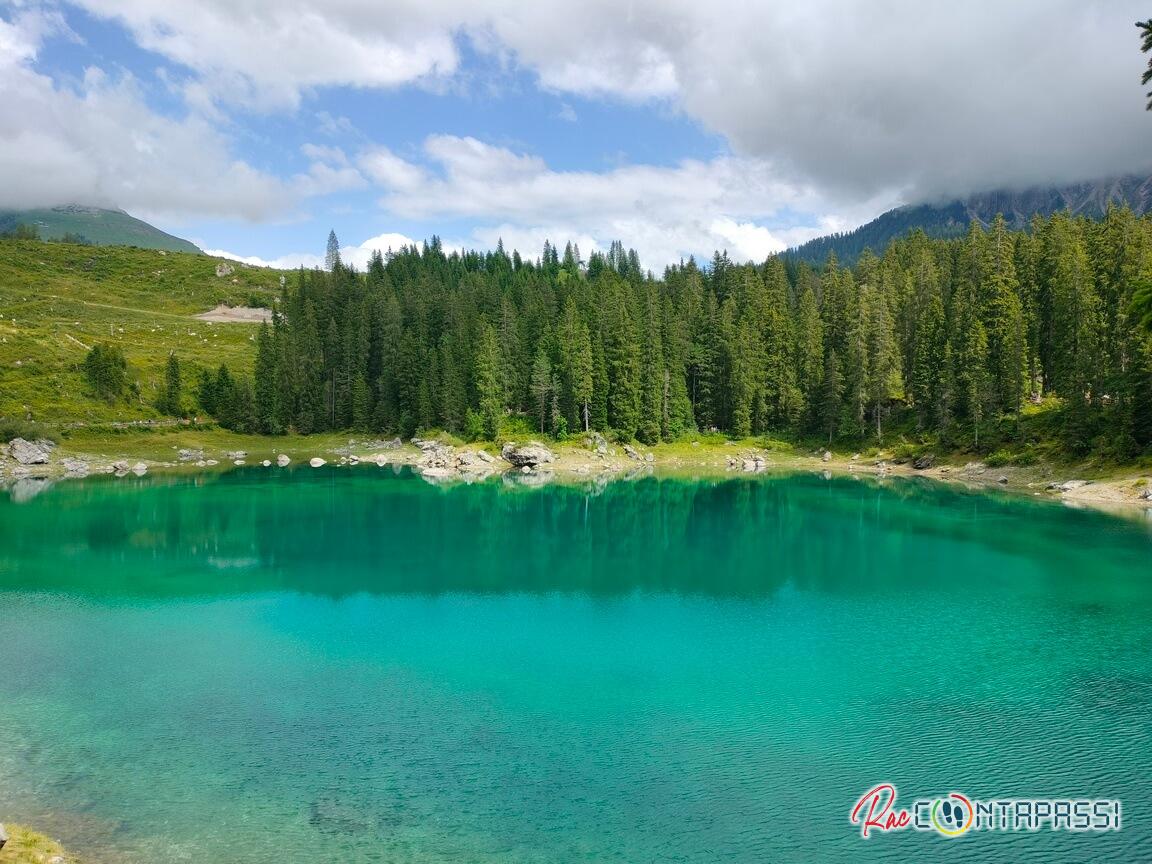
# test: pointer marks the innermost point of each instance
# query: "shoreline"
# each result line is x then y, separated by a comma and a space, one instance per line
185, 451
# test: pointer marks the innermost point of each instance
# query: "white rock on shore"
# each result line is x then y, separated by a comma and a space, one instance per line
317, 462
282, 460
30, 452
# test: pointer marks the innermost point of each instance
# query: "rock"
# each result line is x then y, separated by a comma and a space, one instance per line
29, 452
283, 459
237, 461
826, 474
924, 461
855, 457
190, 455
1146, 495
3, 837
267, 463
353, 460
75, 467
975, 468
1068, 485
210, 462
223, 270
139, 469
381, 460
120, 468
596, 441
631, 453
237, 454
317, 462
27, 488
433, 472
394, 444
201, 463
485, 457
826, 456
526, 455
649, 457
1002, 480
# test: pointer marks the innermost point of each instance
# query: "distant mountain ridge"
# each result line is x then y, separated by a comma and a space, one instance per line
951, 219
96, 225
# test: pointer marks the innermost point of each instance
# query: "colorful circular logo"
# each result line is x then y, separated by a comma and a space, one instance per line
952, 816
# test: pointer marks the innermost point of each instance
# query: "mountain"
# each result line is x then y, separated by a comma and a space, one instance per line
951, 219
93, 225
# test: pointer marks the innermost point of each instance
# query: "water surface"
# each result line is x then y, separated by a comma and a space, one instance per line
353, 665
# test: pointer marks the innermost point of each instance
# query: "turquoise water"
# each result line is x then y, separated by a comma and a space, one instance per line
353, 665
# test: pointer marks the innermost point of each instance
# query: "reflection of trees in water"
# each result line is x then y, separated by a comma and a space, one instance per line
344, 531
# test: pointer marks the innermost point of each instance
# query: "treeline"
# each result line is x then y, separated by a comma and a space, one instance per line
943, 336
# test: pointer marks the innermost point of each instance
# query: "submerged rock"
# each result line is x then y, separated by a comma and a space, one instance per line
27, 488
527, 455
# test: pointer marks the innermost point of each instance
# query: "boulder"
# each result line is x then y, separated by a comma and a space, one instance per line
485, 457
187, 455
1146, 495
27, 488
237, 461
120, 468
596, 441
29, 452
317, 462
631, 453
223, 270
210, 462
924, 461
237, 454
267, 463
75, 467
139, 469
526, 455
283, 459
3, 837
1068, 485
1002, 480
826, 456
649, 457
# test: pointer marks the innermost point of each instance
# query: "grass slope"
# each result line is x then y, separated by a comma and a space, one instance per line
57, 300
96, 225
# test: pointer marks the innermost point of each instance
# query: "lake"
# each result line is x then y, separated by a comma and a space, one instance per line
354, 665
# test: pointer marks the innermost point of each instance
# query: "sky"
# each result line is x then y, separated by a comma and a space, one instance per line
253, 127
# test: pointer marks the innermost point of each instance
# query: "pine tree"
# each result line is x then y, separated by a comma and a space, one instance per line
332, 255
542, 385
489, 386
172, 396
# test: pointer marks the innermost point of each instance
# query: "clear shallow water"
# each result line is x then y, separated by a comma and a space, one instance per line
302, 666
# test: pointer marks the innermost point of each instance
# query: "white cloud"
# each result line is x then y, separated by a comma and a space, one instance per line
851, 98
358, 255
666, 212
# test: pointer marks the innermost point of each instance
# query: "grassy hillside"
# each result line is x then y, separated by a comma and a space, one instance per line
57, 300
98, 226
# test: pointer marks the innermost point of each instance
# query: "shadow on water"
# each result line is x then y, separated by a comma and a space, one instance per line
339, 531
